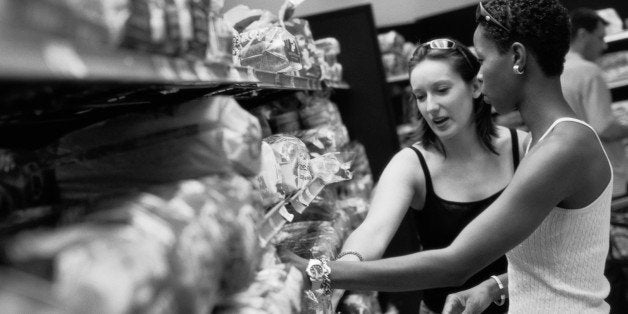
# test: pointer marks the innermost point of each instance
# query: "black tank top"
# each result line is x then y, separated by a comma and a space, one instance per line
440, 221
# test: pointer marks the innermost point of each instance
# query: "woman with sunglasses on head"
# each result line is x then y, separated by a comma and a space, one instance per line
460, 166
552, 220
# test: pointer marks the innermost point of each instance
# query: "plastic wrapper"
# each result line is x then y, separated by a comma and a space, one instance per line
23, 293
174, 248
209, 135
269, 181
24, 181
322, 208
276, 289
309, 239
614, 66
97, 20
318, 111
293, 159
324, 139
109, 269
241, 16
311, 58
285, 121
360, 303
390, 42
330, 168
220, 46
355, 208
269, 49
331, 49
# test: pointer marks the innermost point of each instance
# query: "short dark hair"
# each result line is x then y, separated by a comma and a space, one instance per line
467, 65
541, 25
584, 18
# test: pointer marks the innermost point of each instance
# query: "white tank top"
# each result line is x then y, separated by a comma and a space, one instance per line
559, 268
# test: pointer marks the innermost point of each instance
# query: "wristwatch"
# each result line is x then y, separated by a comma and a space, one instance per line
318, 271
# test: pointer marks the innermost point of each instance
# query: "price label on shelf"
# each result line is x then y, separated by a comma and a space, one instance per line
62, 59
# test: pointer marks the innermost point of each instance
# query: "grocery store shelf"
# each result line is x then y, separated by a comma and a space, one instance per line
616, 37
397, 78
30, 56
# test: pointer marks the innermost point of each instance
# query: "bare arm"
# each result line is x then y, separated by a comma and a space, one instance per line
391, 199
478, 298
545, 177
598, 111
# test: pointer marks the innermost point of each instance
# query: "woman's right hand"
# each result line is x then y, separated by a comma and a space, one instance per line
474, 300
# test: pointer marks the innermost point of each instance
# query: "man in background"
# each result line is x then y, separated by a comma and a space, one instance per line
587, 93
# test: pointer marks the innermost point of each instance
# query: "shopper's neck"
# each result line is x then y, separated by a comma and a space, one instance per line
464, 144
543, 104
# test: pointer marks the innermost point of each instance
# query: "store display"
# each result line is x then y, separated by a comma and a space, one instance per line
153, 216
293, 159
270, 180
396, 53
220, 39
24, 181
360, 303
176, 248
614, 22
269, 49
210, 135
331, 69
614, 66
311, 56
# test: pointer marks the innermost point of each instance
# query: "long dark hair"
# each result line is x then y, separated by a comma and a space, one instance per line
466, 64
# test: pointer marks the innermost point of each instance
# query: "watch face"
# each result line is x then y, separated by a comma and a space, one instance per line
315, 270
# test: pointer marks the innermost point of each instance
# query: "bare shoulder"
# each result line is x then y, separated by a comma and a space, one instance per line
571, 162
404, 164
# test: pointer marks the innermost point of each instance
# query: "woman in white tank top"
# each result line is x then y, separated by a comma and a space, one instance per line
552, 221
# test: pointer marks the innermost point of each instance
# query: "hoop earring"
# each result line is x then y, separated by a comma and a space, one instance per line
517, 69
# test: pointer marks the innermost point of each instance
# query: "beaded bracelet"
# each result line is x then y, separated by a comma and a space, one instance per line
502, 296
358, 255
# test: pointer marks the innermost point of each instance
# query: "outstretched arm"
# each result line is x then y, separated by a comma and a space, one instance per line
478, 298
549, 174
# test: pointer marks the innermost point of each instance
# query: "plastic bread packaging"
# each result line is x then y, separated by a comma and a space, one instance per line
360, 303
241, 16
271, 49
24, 181
331, 48
324, 139
220, 41
309, 239
293, 158
276, 289
390, 42
193, 243
99, 23
211, 135
23, 293
316, 111
269, 181
310, 56
94, 268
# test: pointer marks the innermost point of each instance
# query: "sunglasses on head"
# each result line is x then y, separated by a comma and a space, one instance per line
482, 14
446, 44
